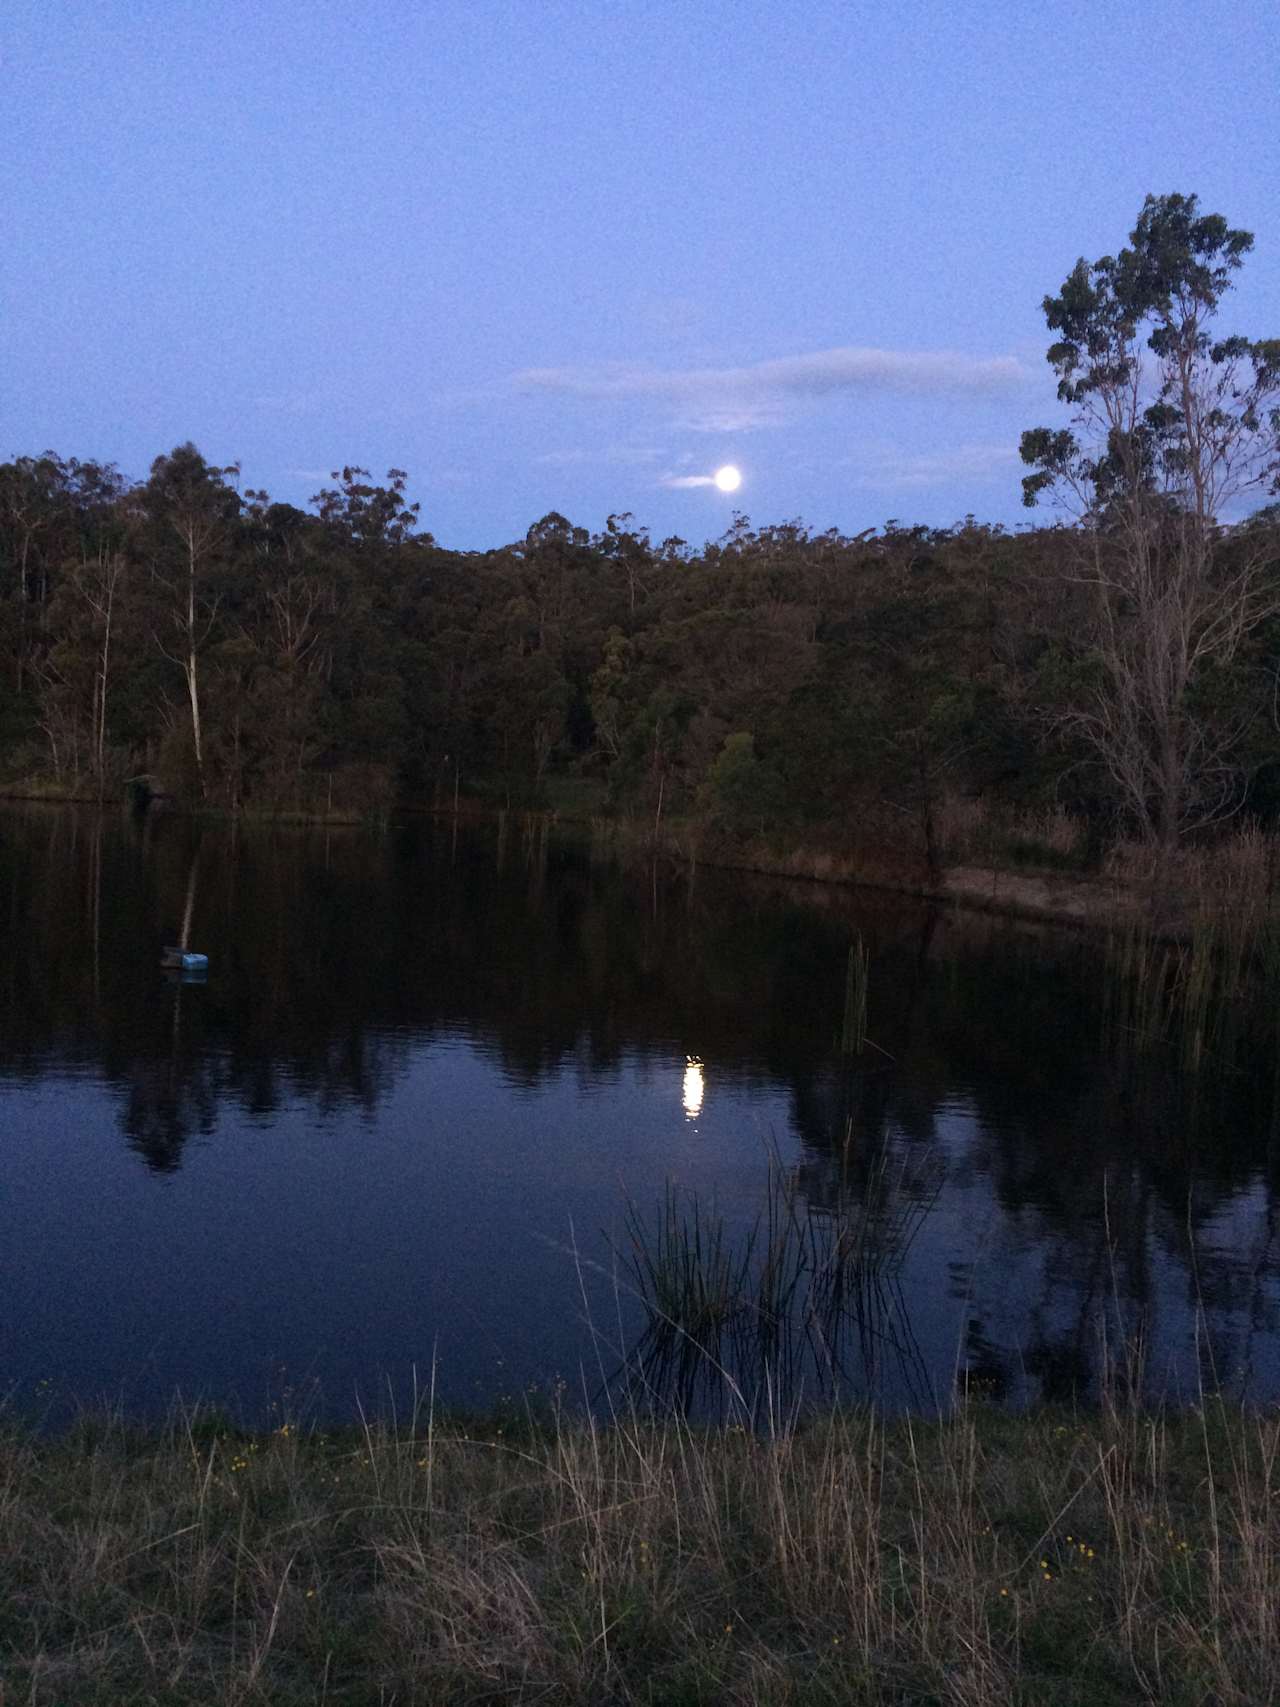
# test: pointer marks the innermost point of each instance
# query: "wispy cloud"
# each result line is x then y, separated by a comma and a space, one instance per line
886, 467
743, 417
684, 482
724, 399
615, 455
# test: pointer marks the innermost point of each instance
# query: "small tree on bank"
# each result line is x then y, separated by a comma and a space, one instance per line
1172, 428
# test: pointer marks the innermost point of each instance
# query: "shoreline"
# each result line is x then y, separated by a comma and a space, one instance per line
1020, 892
1015, 893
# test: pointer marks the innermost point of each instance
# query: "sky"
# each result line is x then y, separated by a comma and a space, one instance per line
575, 255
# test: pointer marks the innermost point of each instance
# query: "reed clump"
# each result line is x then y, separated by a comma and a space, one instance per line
1056, 1558
1201, 982
799, 1305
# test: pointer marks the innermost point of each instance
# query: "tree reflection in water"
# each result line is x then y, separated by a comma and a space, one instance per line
1005, 1192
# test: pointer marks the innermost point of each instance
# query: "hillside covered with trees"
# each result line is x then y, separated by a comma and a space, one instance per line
1121, 662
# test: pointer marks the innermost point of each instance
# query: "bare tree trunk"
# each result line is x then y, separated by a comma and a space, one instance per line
193, 694
189, 906
235, 761
22, 613
190, 667
104, 674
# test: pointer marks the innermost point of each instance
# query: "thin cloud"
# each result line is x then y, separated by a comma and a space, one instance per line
618, 455
960, 462
723, 399
684, 482
743, 418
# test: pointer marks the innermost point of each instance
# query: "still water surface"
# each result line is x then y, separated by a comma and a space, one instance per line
402, 1122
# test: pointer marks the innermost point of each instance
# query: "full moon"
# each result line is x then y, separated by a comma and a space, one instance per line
727, 478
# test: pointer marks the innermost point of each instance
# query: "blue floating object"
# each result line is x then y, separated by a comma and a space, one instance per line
178, 960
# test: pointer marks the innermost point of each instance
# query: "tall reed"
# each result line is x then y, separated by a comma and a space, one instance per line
1204, 993
853, 1030
799, 1304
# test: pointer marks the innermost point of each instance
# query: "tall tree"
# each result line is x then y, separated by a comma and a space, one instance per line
365, 514
1173, 427
84, 614
33, 501
192, 510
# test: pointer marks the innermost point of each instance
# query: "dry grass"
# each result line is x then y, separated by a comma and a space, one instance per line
1115, 1558
1233, 874
972, 831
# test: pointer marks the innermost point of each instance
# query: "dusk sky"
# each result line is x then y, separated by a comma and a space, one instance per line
575, 256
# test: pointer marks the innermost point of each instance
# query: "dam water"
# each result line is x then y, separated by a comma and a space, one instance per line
452, 1103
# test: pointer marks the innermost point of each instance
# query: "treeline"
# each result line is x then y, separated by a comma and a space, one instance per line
249, 655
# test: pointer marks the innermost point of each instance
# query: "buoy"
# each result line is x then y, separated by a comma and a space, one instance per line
179, 960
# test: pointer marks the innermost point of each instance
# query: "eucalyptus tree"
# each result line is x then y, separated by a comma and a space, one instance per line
1175, 427
377, 559
33, 507
192, 512
78, 674
366, 514
627, 546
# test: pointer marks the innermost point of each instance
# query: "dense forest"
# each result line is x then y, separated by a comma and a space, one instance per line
1120, 664
248, 655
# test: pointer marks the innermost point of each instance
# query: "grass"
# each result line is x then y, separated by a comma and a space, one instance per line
1052, 1559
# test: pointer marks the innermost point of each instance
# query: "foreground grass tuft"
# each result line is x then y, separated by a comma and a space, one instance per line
1054, 1559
